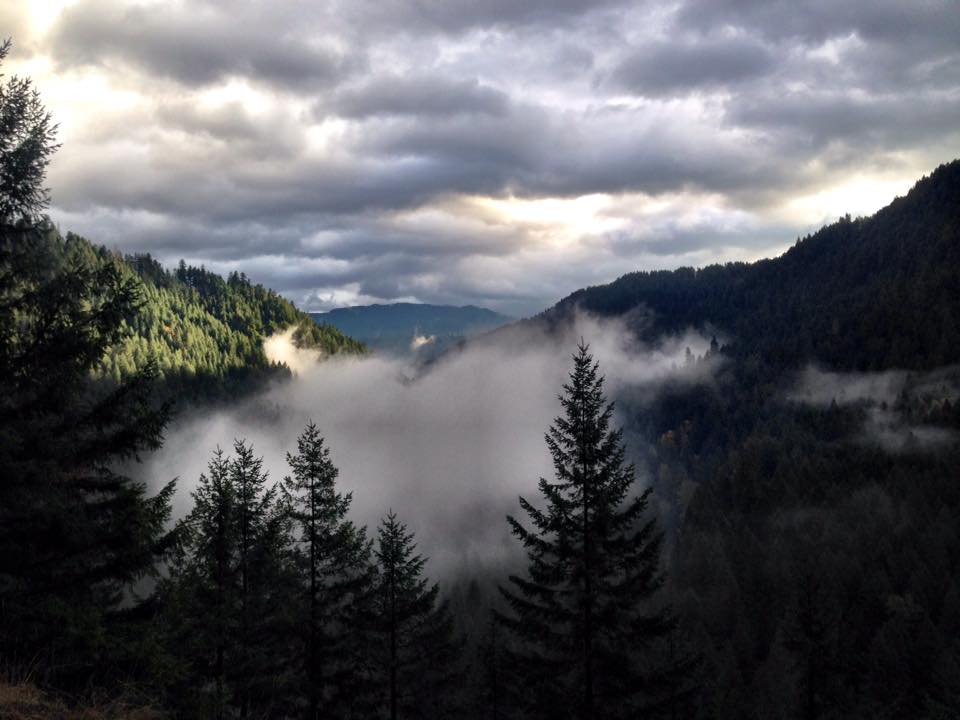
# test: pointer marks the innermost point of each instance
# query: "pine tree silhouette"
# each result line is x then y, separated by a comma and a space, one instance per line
332, 561
582, 615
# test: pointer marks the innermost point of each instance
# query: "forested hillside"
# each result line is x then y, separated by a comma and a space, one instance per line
812, 510
861, 294
204, 332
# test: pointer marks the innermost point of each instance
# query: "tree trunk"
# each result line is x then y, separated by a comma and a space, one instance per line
393, 645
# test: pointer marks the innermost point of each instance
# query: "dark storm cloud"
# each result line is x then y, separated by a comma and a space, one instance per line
809, 121
669, 67
936, 22
886, 46
419, 96
197, 45
457, 16
238, 189
375, 239
531, 152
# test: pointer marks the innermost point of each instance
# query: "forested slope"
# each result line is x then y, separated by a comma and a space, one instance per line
814, 544
204, 332
865, 294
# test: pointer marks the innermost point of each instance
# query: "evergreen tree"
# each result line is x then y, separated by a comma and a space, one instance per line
581, 616
416, 655
496, 695
76, 535
201, 594
223, 595
258, 538
332, 561
27, 141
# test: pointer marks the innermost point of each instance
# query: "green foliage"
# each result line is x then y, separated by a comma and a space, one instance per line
204, 334
27, 141
207, 333
75, 533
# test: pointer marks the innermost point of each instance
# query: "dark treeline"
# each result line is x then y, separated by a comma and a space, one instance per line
276, 605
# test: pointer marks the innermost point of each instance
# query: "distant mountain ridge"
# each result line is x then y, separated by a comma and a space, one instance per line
395, 326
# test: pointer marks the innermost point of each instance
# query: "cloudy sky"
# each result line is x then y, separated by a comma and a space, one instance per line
492, 152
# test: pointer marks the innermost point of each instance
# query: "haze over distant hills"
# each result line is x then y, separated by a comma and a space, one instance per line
402, 328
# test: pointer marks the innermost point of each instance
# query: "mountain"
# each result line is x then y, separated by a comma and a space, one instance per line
403, 328
807, 483
860, 294
205, 332
822, 531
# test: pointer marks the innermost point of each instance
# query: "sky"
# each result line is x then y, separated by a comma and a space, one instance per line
486, 152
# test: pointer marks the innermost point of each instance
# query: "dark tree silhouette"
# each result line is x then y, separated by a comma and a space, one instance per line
415, 650
27, 141
582, 615
75, 534
332, 561
808, 635
224, 593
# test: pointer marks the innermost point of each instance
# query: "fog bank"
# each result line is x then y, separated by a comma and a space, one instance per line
448, 447
897, 404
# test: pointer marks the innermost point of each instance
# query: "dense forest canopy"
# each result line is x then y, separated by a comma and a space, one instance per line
205, 333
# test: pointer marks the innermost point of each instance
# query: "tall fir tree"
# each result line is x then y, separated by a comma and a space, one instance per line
259, 533
200, 597
810, 634
332, 559
27, 142
416, 655
76, 535
582, 617
495, 693
223, 596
